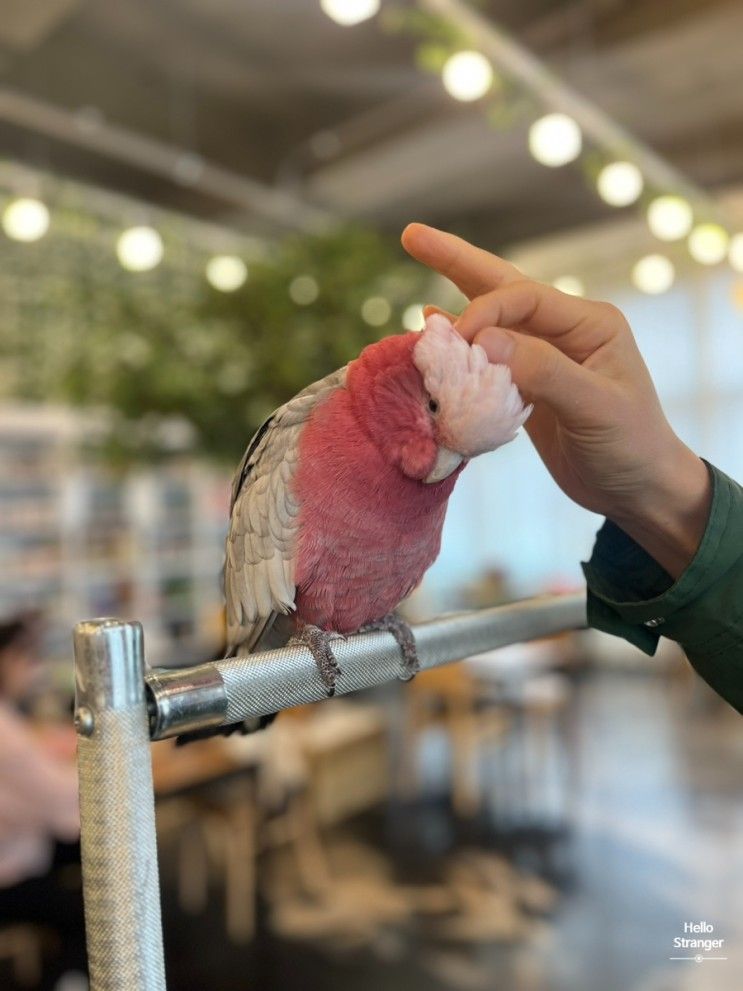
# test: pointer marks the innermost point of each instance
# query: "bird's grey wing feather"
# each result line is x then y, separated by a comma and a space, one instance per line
260, 550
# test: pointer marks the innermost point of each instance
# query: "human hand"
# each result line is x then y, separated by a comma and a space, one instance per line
597, 422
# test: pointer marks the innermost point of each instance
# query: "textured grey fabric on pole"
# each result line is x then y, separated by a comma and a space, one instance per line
117, 810
237, 688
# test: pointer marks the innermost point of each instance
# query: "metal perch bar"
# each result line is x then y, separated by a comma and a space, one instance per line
237, 688
119, 709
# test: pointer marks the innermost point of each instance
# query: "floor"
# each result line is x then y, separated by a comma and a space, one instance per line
653, 838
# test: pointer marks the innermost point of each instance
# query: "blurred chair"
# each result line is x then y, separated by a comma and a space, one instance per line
221, 801
527, 680
450, 698
207, 807
216, 839
336, 761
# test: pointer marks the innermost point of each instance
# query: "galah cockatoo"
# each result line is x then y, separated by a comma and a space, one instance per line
339, 501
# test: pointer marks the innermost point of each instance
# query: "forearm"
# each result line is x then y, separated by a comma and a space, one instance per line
671, 518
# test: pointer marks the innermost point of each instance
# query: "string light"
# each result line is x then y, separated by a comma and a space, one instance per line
708, 243
555, 140
139, 249
304, 290
25, 219
571, 285
620, 183
653, 274
412, 318
376, 311
350, 12
735, 253
226, 272
670, 217
467, 76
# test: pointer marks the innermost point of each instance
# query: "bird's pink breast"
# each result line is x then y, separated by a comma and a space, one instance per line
367, 533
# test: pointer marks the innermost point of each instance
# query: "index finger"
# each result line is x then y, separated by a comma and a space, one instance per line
577, 327
471, 269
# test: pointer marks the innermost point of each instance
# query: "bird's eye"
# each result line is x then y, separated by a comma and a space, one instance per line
433, 405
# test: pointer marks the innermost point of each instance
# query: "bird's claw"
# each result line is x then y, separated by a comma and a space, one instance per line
391, 623
317, 641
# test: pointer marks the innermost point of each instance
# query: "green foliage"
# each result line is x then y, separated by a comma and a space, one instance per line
76, 328
421, 24
431, 56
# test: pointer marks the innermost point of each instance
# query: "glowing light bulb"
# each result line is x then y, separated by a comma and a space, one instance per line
735, 254
467, 76
139, 249
350, 12
376, 311
620, 183
571, 285
25, 219
304, 290
653, 274
555, 140
226, 272
412, 318
670, 217
708, 243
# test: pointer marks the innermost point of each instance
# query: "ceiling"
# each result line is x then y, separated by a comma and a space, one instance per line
287, 113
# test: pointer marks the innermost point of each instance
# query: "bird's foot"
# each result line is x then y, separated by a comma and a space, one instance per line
318, 641
404, 636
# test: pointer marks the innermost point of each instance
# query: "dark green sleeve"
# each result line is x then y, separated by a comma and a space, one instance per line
631, 596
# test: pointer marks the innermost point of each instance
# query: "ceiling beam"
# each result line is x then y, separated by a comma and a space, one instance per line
158, 158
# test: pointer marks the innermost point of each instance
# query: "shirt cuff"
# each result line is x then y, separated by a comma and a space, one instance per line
631, 595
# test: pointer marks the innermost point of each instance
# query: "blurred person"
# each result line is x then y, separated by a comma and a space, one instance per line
39, 819
669, 556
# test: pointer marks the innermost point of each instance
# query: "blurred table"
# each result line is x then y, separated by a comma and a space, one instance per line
178, 770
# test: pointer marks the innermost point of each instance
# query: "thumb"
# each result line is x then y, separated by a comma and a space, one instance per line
540, 371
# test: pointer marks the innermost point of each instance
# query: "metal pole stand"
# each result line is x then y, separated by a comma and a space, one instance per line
117, 809
119, 710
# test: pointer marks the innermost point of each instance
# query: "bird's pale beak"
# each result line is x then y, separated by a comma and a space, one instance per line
446, 462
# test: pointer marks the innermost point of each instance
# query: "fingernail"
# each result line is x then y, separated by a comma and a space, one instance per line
497, 344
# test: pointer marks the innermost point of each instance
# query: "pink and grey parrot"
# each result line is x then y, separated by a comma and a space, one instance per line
339, 501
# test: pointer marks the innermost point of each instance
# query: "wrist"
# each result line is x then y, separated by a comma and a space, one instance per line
670, 519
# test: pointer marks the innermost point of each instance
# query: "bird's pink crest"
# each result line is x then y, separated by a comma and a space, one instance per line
479, 407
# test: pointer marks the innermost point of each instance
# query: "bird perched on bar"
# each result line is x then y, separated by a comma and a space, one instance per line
339, 501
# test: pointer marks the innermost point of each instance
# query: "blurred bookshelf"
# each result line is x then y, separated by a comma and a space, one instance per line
80, 539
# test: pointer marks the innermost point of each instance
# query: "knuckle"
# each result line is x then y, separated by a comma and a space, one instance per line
612, 313
527, 296
524, 288
484, 307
